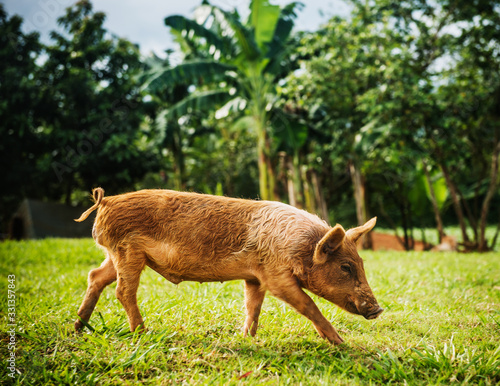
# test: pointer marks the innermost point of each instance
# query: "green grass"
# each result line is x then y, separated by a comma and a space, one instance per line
441, 325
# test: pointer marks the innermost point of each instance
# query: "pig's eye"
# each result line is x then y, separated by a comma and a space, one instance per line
346, 268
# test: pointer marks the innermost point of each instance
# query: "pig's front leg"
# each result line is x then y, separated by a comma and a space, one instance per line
254, 296
286, 288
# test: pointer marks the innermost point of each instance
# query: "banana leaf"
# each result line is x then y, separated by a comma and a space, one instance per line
194, 72
263, 19
202, 101
180, 23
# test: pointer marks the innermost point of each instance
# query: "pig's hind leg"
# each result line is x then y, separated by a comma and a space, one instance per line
254, 296
129, 264
98, 279
286, 288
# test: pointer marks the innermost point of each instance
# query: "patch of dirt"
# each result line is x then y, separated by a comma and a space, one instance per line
385, 242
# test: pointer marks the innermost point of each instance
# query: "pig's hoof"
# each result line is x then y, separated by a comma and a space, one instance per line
140, 329
338, 340
248, 333
250, 329
78, 326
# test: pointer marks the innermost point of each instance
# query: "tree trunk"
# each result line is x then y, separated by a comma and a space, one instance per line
359, 196
456, 203
309, 199
258, 88
453, 193
266, 173
175, 146
265, 193
483, 244
469, 215
285, 177
291, 193
410, 222
287, 166
322, 209
437, 214
271, 179
494, 241
297, 181
179, 165
404, 220
391, 223
263, 184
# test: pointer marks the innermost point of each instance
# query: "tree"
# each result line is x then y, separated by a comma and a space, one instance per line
390, 81
472, 174
333, 76
169, 133
480, 61
93, 107
233, 64
445, 110
20, 141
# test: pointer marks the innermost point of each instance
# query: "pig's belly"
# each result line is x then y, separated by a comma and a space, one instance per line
178, 265
202, 275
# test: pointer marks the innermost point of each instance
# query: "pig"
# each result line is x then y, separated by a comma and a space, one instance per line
197, 237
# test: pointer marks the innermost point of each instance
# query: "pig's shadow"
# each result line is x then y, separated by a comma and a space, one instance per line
305, 352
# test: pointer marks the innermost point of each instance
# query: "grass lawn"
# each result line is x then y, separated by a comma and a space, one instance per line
441, 325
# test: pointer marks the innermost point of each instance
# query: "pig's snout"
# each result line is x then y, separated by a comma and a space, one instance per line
366, 304
375, 313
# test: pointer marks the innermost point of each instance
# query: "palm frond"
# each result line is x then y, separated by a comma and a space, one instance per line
230, 25
284, 28
202, 101
187, 26
235, 105
263, 20
194, 72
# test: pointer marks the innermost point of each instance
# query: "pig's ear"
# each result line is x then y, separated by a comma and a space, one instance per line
355, 233
330, 242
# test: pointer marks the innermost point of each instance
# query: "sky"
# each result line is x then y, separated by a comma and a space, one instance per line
141, 21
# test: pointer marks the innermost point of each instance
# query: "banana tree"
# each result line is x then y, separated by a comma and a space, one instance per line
233, 68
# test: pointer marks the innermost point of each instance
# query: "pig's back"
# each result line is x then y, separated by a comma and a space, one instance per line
283, 234
171, 216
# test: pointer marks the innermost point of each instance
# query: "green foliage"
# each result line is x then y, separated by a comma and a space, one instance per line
398, 84
420, 193
197, 72
93, 107
71, 113
440, 326
21, 143
438, 184
197, 102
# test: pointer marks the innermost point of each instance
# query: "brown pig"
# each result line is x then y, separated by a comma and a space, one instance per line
187, 236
